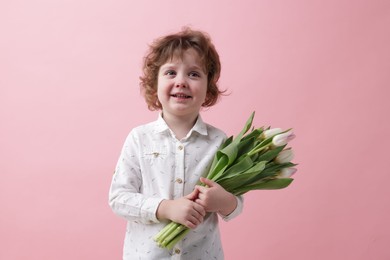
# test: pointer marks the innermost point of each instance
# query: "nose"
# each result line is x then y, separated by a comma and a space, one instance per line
180, 81
181, 85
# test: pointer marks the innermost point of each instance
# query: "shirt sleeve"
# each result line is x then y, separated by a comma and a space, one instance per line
125, 197
237, 211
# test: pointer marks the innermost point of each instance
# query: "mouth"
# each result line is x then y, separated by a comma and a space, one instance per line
180, 95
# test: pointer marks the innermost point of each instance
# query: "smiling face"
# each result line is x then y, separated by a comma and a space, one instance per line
182, 85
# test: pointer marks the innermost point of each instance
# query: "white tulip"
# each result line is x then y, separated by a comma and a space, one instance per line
283, 139
271, 132
286, 173
285, 156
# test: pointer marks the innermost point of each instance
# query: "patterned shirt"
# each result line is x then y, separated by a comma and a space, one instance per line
155, 165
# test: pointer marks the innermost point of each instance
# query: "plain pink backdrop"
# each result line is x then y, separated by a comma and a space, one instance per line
69, 95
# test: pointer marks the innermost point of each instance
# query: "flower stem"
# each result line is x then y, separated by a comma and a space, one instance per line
174, 234
166, 231
179, 237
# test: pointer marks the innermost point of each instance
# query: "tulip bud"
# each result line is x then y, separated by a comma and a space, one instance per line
283, 139
271, 132
286, 173
285, 156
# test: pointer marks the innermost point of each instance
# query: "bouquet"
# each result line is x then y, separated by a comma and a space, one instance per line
258, 160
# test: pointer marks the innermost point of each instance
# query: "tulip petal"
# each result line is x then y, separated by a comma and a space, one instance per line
285, 156
286, 173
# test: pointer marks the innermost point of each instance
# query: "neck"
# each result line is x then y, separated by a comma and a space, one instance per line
180, 125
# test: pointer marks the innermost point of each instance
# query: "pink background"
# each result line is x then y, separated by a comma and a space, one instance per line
69, 95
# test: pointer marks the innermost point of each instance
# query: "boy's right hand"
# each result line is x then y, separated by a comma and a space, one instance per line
183, 210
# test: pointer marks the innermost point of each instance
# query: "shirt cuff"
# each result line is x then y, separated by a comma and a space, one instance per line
149, 210
237, 211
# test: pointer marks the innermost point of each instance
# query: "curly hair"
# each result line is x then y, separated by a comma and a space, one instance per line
166, 48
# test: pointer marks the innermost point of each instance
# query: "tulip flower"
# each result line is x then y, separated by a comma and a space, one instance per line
253, 161
286, 173
271, 132
283, 138
285, 156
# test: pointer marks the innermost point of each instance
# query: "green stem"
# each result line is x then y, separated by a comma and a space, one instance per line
173, 235
179, 237
166, 231
258, 148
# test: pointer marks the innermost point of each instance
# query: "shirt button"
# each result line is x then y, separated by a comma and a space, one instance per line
177, 250
178, 180
180, 147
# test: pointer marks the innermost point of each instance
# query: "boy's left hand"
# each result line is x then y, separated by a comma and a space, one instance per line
214, 198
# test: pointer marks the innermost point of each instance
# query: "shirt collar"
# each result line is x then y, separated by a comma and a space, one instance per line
199, 127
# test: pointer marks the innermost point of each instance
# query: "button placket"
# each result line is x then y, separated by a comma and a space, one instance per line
179, 170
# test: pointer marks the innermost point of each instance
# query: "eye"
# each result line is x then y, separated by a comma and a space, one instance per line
194, 74
170, 73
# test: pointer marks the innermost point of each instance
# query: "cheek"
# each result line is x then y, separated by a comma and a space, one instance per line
162, 92
159, 86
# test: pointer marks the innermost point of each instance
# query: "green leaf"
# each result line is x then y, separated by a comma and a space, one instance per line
261, 146
247, 126
239, 167
270, 154
227, 142
270, 170
271, 166
268, 185
230, 151
219, 167
258, 167
255, 133
234, 182
244, 147
217, 155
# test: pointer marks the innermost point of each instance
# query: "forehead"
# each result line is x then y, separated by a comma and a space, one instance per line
189, 55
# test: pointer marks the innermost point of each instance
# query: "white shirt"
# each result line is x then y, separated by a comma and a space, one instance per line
155, 165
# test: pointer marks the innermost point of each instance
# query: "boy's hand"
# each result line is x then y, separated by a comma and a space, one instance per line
183, 210
215, 198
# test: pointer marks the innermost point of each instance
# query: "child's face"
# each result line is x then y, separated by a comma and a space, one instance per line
182, 85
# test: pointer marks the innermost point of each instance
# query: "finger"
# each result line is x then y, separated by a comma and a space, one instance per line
207, 182
201, 189
200, 202
193, 221
199, 209
197, 212
201, 195
203, 204
198, 219
189, 224
193, 195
